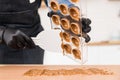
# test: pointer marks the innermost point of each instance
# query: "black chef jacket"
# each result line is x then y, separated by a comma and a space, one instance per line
22, 15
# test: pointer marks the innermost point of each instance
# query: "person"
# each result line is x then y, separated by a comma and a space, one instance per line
19, 21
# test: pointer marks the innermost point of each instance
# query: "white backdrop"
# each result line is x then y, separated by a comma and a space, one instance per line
105, 23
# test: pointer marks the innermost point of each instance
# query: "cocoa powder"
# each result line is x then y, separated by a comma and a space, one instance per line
65, 72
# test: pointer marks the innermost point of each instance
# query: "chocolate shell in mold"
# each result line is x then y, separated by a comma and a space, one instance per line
65, 36
67, 48
76, 53
64, 6
76, 41
74, 1
74, 13
61, 35
65, 23
56, 19
63, 9
54, 5
76, 28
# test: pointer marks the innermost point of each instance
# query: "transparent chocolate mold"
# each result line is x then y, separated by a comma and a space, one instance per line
76, 41
56, 19
74, 13
63, 9
76, 28
67, 15
65, 23
61, 35
65, 36
54, 5
75, 1
67, 48
76, 53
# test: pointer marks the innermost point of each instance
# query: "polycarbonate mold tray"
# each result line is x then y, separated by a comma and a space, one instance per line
65, 15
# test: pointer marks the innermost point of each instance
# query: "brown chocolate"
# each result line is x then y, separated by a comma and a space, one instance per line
74, 1
66, 36
56, 19
76, 28
76, 53
54, 5
74, 13
76, 41
67, 48
65, 23
63, 9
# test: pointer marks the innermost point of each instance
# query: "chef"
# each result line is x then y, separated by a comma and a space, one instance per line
19, 21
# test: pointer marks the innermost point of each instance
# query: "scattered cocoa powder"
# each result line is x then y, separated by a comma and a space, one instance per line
65, 72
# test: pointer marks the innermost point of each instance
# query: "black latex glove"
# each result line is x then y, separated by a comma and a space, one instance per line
17, 39
49, 14
86, 28
86, 37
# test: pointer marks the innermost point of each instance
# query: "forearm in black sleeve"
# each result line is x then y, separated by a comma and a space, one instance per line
2, 29
46, 2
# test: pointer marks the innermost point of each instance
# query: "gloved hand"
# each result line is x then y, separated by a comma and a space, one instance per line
17, 39
49, 14
86, 37
86, 28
